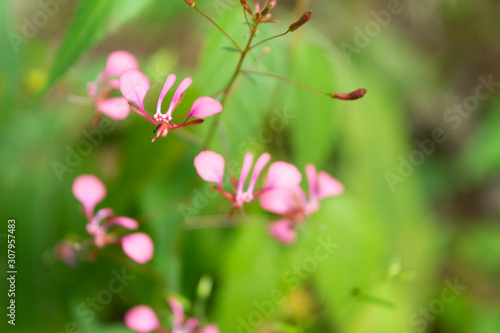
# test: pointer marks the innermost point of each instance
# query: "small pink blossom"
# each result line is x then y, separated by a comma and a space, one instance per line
210, 167
138, 247
134, 86
106, 83
90, 191
293, 204
144, 320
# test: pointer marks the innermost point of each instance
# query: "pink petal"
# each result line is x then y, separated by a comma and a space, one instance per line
247, 165
204, 107
92, 89
166, 87
210, 166
134, 86
283, 231
210, 329
179, 93
279, 201
138, 246
142, 319
116, 107
259, 166
191, 324
89, 190
118, 62
328, 186
283, 175
178, 312
123, 221
114, 83
94, 227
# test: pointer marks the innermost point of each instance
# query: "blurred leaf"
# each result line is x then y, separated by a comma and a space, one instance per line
315, 128
88, 27
481, 158
9, 66
93, 19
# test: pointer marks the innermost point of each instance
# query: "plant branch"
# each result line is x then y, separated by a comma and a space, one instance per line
218, 27
286, 80
270, 38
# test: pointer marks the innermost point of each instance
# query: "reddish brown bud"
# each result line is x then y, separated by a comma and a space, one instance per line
356, 94
247, 7
301, 21
190, 3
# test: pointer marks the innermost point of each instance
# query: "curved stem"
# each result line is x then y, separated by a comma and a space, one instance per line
286, 80
246, 18
218, 27
268, 39
229, 86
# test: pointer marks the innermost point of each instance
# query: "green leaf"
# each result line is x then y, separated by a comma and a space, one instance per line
93, 19
88, 27
315, 128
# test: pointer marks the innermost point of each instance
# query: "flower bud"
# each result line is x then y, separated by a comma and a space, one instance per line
301, 21
190, 3
247, 7
266, 10
356, 94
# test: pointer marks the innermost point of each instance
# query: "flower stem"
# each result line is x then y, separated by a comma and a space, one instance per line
229, 86
270, 38
286, 80
218, 27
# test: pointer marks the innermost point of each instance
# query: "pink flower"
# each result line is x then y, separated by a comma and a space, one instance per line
144, 320
293, 205
210, 166
107, 82
90, 191
134, 86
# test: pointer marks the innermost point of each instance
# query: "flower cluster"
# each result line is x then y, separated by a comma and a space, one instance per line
294, 206
280, 175
106, 83
143, 319
90, 191
280, 194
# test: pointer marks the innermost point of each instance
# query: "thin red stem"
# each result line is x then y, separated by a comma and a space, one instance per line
218, 27
286, 80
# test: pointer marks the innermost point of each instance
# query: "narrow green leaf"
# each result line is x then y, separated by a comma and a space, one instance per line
87, 27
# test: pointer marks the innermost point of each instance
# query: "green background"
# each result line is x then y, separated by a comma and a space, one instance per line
397, 246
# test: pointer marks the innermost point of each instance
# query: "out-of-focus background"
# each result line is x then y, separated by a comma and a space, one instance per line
416, 234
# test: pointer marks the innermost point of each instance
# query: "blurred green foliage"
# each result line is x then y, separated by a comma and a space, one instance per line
394, 246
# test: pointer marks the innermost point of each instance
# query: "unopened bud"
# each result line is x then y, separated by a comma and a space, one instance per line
247, 7
301, 21
190, 3
356, 94
266, 10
